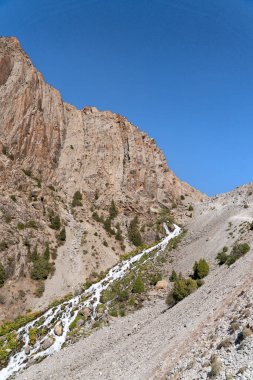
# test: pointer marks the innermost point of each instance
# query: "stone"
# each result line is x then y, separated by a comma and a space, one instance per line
162, 284
58, 330
86, 312
47, 343
27, 350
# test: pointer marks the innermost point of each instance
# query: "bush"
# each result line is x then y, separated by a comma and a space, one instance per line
113, 211
55, 222
200, 269
62, 236
96, 217
190, 208
222, 257
118, 235
77, 199
238, 251
155, 278
41, 269
183, 288
138, 286
174, 276
107, 225
41, 266
134, 233
3, 245
2, 275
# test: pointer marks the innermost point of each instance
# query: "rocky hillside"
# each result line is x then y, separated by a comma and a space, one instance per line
206, 335
78, 188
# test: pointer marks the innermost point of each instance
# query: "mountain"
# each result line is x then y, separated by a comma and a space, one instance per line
78, 188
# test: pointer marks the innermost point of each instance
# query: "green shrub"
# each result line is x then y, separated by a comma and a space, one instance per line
107, 225
174, 276
3, 245
13, 198
118, 235
138, 285
20, 226
134, 233
41, 266
96, 217
190, 208
55, 222
184, 287
222, 257
40, 289
200, 269
113, 211
238, 251
41, 269
77, 199
31, 224
182, 197
62, 236
155, 278
2, 275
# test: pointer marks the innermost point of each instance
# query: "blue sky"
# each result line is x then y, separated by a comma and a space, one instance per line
181, 70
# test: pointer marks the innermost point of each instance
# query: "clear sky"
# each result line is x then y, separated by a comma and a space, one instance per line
181, 70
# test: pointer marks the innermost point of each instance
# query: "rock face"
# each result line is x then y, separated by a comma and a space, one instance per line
48, 151
86, 149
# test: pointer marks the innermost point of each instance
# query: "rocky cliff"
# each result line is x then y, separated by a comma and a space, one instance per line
49, 151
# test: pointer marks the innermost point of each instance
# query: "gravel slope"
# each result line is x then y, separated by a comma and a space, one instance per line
149, 343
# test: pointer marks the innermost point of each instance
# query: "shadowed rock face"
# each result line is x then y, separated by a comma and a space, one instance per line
85, 149
5, 69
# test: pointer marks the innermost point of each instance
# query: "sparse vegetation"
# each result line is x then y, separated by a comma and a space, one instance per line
238, 251
222, 256
77, 199
55, 221
138, 286
41, 266
2, 275
113, 211
62, 236
182, 288
200, 269
134, 233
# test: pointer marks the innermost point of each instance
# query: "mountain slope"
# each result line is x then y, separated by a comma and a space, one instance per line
51, 152
179, 343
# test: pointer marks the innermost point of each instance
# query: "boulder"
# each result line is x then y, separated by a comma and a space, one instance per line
163, 284
58, 330
47, 343
27, 350
86, 312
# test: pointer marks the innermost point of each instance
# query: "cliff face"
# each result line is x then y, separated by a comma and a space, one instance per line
86, 149
47, 145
